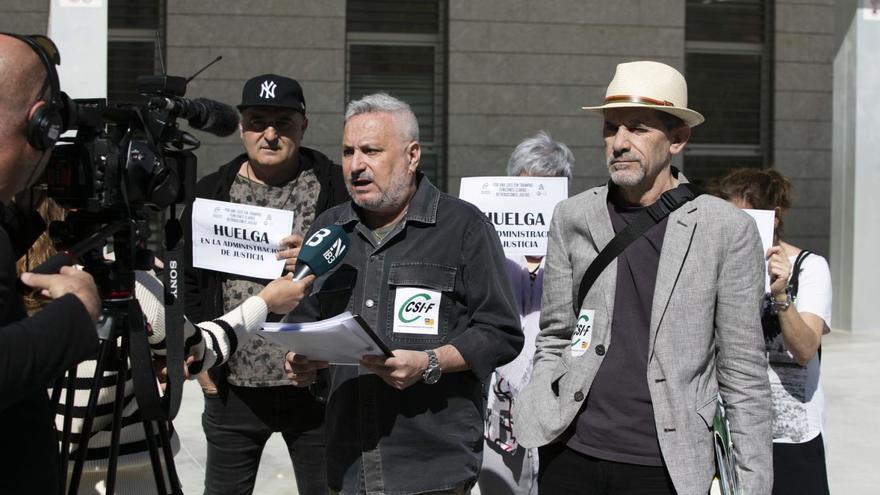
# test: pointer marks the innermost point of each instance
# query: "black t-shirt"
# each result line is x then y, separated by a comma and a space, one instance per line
616, 422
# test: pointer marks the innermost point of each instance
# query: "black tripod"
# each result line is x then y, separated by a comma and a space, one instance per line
123, 334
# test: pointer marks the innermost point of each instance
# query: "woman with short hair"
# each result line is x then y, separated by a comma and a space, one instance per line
795, 314
508, 468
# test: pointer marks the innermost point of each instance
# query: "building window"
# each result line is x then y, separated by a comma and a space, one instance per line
136, 47
398, 47
132, 49
728, 46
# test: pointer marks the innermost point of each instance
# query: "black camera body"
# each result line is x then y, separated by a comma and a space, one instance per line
125, 157
126, 162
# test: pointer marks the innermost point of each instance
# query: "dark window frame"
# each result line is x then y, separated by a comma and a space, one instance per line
735, 154
125, 90
120, 34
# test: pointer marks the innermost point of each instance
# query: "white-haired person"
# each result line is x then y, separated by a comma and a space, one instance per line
426, 271
509, 468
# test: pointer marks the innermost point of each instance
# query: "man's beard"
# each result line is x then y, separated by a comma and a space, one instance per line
627, 177
389, 199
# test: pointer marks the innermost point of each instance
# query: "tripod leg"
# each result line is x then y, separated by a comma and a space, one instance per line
69, 399
165, 437
107, 348
113, 461
154, 457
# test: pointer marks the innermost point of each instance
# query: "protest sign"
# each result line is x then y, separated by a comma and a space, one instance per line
520, 208
238, 239
765, 220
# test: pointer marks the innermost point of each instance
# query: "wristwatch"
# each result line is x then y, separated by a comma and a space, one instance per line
782, 306
432, 373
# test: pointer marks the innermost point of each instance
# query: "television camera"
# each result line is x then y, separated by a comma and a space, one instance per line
126, 165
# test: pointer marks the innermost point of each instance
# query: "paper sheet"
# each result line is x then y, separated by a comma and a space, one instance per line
765, 221
520, 208
238, 239
342, 339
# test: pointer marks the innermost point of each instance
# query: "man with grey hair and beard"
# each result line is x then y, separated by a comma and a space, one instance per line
426, 272
627, 374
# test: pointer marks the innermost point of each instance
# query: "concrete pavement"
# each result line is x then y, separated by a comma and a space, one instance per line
276, 471
850, 378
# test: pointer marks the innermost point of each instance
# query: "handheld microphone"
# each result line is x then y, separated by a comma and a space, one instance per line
321, 252
203, 114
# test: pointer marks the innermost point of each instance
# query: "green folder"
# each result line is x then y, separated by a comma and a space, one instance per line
724, 458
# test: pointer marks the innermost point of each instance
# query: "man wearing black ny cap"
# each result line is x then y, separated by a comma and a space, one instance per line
250, 398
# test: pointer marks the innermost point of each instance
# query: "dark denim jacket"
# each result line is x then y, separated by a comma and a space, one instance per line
427, 437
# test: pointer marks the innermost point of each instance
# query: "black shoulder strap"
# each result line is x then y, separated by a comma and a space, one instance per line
668, 202
794, 281
796, 271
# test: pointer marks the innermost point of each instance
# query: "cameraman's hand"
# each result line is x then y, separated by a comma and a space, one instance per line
289, 251
69, 281
283, 294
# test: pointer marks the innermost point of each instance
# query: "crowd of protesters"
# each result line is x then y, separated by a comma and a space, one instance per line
599, 366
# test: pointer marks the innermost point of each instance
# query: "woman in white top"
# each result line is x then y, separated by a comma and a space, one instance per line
795, 315
509, 469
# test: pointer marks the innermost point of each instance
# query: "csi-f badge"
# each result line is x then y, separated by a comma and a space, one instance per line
416, 310
583, 333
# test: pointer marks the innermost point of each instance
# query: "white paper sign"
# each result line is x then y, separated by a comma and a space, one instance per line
871, 10
765, 220
519, 207
80, 3
239, 239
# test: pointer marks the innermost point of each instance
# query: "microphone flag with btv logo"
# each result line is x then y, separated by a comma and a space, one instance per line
321, 252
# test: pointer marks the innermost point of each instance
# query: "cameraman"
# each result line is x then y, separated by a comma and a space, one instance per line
207, 344
35, 350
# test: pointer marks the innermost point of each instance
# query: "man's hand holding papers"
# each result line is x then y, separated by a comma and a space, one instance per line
342, 340
300, 370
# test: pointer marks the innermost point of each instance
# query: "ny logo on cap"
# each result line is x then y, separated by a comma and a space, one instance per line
267, 89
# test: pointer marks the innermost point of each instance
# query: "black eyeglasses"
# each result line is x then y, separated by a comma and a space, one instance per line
257, 124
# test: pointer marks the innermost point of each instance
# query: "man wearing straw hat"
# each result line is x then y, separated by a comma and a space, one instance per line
628, 370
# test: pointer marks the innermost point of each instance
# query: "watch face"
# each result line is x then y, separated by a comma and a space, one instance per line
432, 375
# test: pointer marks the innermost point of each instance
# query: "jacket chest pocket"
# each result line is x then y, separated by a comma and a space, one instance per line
335, 294
420, 303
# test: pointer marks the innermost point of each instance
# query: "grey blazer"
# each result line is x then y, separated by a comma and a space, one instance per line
705, 337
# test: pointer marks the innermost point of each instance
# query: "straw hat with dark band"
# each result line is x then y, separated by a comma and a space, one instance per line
648, 84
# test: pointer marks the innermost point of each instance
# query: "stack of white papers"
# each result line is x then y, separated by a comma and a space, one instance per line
342, 339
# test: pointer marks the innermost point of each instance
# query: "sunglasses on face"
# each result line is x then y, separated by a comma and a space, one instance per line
259, 124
